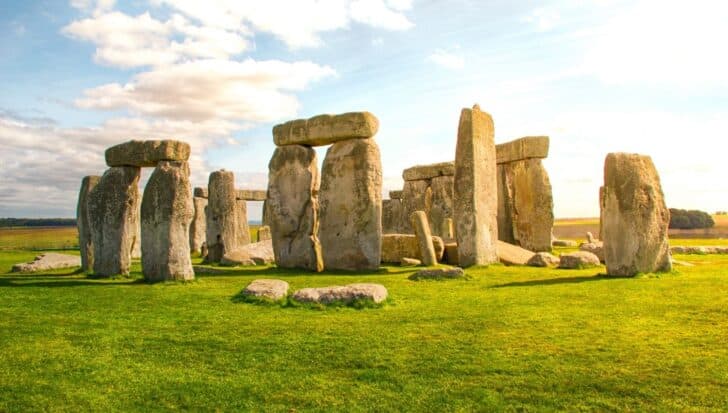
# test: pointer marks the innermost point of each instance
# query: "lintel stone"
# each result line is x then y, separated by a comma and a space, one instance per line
420, 172
147, 153
326, 129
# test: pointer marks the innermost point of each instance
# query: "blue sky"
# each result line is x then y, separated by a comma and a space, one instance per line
600, 76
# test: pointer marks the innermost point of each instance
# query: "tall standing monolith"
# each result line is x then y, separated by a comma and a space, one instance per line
223, 226
85, 242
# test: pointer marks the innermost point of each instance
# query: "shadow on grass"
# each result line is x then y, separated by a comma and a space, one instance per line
258, 271
74, 278
556, 281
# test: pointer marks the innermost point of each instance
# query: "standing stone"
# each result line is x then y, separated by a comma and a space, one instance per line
475, 189
113, 213
505, 207
635, 217
392, 216
85, 243
450, 227
136, 248
601, 212
198, 227
416, 196
223, 226
291, 209
442, 203
264, 233
242, 211
424, 237
351, 206
167, 211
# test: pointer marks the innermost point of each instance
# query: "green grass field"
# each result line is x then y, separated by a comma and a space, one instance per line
511, 338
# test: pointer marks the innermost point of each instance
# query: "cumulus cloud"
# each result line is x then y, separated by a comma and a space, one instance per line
447, 59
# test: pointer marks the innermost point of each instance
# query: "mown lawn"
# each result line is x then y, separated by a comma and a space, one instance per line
510, 338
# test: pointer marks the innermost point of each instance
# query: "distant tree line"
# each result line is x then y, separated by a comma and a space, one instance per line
690, 219
37, 222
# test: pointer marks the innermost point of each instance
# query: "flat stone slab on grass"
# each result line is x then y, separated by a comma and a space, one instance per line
438, 274
543, 259
510, 254
268, 289
147, 153
258, 253
338, 294
579, 260
326, 129
48, 261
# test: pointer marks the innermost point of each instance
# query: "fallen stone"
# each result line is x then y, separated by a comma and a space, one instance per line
350, 206
543, 259
596, 248
438, 274
410, 262
578, 260
398, 246
423, 172
529, 147
224, 229
564, 243
198, 227
326, 129
424, 237
147, 153
166, 213
395, 194
48, 261
264, 233
250, 195
274, 290
512, 254
85, 243
636, 218
200, 192
259, 253
292, 207
475, 203
347, 294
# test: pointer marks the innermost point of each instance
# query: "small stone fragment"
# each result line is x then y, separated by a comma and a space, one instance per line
48, 261
268, 289
259, 253
596, 248
347, 294
578, 260
543, 259
438, 274
410, 262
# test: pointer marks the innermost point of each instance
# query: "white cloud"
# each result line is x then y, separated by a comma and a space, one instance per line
203, 90
543, 18
447, 59
93, 6
377, 13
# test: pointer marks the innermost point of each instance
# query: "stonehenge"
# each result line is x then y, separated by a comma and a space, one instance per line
85, 244
635, 217
332, 220
223, 230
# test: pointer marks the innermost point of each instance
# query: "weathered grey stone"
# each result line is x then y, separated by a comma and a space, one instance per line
513, 254
398, 246
635, 217
259, 253
424, 237
242, 211
543, 259
475, 189
200, 192
292, 207
530, 147
392, 216
326, 129
525, 205
564, 243
596, 248
416, 196
347, 294
449, 229
269, 289
441, 210
224, 229
136, 247
147, 153
424, 172
113, 212
198, 227
438, 274
48, 261
395, 194
250, 194
166, 214
85, 243
351, 206
264, 233
578, 260
410, 262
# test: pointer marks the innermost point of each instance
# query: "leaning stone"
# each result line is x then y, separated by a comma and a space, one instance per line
224, 229
578, 260
596, 248
147, 153
292, 207
85, 243
424, 238
423, 172
264, 233
351, 206
273, 290
410, 262
250, 194
564, 243
166, 214
201, 192
441, 209
392, 216
347, 294
198, 227
529, 147
635, 217
398, 246
543, 259
416, 196
438, 274
259, 253
512, 254
326, 129
113, 211
475, 198
48, 261
395, 194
